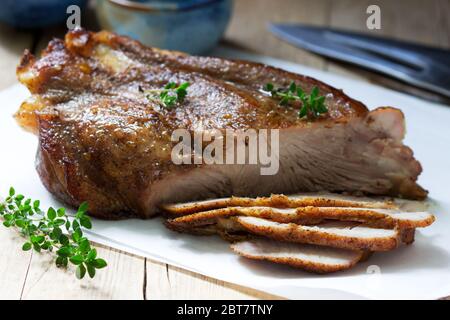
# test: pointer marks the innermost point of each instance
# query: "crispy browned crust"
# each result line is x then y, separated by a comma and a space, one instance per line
370, 217
226, 233
408, 235
200, 206
298, 264
211, 216
303, 216
275, 201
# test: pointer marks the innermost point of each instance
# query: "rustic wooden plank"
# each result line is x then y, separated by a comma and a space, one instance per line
13, 264
169, 282
123, 278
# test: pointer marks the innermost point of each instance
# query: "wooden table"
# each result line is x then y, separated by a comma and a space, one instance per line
28, 275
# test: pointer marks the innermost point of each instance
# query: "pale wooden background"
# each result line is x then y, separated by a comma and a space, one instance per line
26, 275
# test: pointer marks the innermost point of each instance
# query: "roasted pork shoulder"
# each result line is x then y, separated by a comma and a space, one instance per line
102, 141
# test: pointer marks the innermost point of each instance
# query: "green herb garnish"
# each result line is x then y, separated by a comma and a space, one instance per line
169, 95
44, 232
311, 104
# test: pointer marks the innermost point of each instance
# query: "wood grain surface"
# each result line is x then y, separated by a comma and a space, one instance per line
26, 275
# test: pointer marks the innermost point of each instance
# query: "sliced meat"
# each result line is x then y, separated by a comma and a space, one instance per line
382, 217
279, 201
231, 230
307, 257
211, 216
102, 141
198, 231
187, 208
312, 215
334, 234
227, 229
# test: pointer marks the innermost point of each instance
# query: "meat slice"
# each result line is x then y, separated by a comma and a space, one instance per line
232, 230
211, 216
333, 234
227, 229
312, 215
307, 257
278, 201
198, 231
375, 217
102, 141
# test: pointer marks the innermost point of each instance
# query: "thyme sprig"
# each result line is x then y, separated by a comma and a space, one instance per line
43, 231
312, 104
169, 95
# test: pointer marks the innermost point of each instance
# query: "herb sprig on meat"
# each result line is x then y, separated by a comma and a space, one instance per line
312, 104
169, 95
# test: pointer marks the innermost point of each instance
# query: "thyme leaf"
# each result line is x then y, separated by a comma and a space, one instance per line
169, 95
312, 104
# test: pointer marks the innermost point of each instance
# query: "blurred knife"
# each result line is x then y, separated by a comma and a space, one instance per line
425, 67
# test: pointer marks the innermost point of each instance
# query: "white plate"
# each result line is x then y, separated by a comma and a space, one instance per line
420, 271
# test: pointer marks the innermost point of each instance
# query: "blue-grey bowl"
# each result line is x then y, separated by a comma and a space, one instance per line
193, 26
35, 13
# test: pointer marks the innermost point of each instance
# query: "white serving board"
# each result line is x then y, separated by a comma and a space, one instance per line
420, 271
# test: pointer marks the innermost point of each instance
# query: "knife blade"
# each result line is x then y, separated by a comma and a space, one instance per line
422, 66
